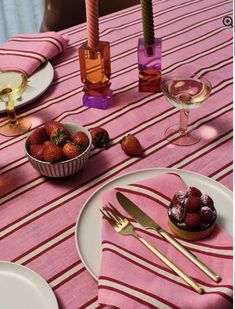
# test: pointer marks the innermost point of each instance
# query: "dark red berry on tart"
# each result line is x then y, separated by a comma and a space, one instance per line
192, 203
177, 213
178, 198
192, 220
193, 191
207, 214
207, 201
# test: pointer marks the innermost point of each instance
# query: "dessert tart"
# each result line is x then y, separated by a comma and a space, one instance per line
191, 214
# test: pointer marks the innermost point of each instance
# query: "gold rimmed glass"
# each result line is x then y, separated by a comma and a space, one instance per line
186, 93
12, 85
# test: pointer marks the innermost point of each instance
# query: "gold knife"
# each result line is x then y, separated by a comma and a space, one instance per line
148, 223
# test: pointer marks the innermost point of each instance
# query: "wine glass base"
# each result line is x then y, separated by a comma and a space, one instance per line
23, 125
175, 137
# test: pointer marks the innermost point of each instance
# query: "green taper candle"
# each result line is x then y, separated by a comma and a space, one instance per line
148, 24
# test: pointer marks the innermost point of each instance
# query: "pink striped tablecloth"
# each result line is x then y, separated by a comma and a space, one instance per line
38, 214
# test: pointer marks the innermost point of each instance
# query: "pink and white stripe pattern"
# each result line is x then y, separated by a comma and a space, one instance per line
40, 213
28, 51
131, 276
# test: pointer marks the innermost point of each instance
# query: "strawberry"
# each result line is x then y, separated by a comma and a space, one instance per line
36, 151
38, 136
59, 136
81, 139
47, 143
131, 146
71, 151
50, 125
100, 137
51, 152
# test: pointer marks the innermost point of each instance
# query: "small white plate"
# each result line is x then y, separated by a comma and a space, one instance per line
38, 83
22, 288
88, 226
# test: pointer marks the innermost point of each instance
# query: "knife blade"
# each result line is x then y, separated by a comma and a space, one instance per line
136, 213
148, 223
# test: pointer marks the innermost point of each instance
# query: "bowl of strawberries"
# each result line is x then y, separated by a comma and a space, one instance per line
58, 149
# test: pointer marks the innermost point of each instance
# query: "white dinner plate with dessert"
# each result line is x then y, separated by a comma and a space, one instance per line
22, 288
88, 225
38, 83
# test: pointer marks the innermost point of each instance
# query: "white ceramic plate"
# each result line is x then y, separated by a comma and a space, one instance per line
23, 288
37, 84
88, 226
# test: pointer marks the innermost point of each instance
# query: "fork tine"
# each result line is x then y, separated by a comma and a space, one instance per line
108, 217
112, 214
116, 211
103, 213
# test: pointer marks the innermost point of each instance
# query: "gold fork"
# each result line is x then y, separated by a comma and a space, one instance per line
124, 227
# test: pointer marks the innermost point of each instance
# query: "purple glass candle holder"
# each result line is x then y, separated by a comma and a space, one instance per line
149, 64
100, 102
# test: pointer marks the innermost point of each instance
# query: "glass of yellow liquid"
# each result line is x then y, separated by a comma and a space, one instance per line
12, 85
186, 93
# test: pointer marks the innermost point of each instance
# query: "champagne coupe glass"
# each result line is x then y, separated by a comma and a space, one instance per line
12, 85
185, 93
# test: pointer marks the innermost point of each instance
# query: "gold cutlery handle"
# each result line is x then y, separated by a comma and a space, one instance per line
189, 255
170, 264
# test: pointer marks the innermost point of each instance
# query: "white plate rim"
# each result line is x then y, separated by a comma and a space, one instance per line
36, 279
158, 171
46, 73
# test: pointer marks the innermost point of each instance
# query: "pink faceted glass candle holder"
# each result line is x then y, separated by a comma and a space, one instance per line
149, 64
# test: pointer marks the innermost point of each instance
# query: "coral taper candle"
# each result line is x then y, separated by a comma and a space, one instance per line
92, 17
148, 24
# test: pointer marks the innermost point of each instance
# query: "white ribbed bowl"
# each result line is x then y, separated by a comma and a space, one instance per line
63, 168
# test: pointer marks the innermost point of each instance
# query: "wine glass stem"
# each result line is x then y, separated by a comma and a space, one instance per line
10, 106
184, 114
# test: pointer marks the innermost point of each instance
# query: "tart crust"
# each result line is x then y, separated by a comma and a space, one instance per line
190, 235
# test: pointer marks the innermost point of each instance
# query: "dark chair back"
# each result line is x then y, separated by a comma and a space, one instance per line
61, 14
